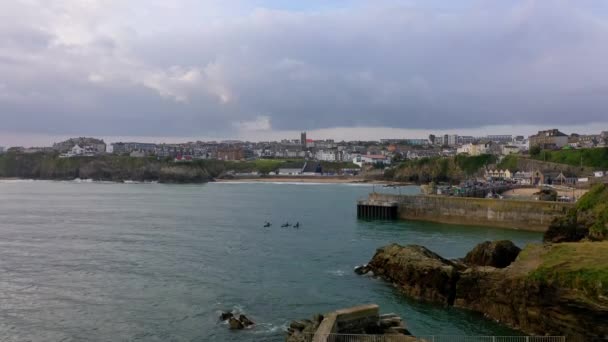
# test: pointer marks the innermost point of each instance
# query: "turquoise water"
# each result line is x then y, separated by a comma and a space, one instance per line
155, 262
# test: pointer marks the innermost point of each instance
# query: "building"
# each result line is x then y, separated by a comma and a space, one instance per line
465, 139
234, 153
128, 147
452, 139
371, 159
499, 174
474, 149
303, 139
289, 171
509, 149
95, 145
500, 138
1, 149
549, 139
326, 155
523, 177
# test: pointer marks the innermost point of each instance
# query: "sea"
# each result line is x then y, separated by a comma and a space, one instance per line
97, 261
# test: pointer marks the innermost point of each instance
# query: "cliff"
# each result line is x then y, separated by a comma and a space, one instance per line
452, 169
549, 289
587, 220
106, 168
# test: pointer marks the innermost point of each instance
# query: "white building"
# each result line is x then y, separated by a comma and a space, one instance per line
598, 174
326, 155
290, 172
509, 149
371, 159
474, 149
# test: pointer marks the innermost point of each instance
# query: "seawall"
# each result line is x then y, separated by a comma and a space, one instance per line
513, 214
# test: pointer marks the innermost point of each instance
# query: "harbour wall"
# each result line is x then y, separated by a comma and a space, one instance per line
513, 214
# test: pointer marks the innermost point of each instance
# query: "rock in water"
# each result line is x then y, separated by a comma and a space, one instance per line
362, 269
499, 254
235, 324
417, 271
226, 315
245, 321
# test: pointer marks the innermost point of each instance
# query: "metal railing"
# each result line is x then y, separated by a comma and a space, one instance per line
404, 338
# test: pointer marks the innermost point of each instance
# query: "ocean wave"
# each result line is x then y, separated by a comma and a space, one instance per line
337, 273
16, 180
270, 328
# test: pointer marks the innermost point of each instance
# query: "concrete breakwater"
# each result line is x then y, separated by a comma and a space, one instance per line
514, 214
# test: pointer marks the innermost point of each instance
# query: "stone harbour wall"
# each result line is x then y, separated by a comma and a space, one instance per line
514, 214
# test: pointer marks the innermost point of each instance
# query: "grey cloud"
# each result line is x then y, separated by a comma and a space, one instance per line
530, 63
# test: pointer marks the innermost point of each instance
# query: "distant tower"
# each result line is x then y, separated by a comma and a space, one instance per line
303, 139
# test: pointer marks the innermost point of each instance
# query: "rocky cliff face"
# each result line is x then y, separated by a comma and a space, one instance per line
546, 290
107, 168
417, 271
588, 220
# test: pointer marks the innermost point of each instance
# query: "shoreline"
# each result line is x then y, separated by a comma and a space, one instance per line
312, 179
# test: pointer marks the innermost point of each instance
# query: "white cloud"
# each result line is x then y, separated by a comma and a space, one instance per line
197, 67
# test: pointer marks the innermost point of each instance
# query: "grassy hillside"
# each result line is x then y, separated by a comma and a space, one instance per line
592, 157
117, 168
579, 265
589, 220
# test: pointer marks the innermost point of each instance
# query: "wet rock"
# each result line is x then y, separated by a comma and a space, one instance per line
245, 321
362, 269
226, 315
417, 271
235, 324
499, 254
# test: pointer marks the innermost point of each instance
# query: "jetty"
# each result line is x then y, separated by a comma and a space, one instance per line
504, 213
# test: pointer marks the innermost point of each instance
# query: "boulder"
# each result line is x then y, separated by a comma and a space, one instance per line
235, 324
245, 321
226, 315
417, 271
362, 269
499, 254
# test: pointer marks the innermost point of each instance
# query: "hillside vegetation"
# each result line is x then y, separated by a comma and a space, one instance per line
588, 220
591, 157
453, 169
120, 168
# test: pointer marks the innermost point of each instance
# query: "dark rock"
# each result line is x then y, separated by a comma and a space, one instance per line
299, 324
397, 331
390, 322
317, 319
235, 324
226, 315
362, 269
245, 321
498, 254
417, 271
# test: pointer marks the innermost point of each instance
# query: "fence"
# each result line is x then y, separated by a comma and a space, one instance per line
404, 338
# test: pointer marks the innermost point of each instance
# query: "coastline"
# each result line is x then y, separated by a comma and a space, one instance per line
311, 179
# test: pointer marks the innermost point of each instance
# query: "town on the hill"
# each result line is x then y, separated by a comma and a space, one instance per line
304, 156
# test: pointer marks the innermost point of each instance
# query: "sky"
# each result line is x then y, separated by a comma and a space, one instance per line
175, 70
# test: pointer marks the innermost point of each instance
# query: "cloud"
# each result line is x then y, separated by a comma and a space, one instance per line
188, 67
261, 123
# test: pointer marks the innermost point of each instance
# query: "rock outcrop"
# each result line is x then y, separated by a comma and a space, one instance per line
236, 322
417, 271
498, 254
559, 289
588, 220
